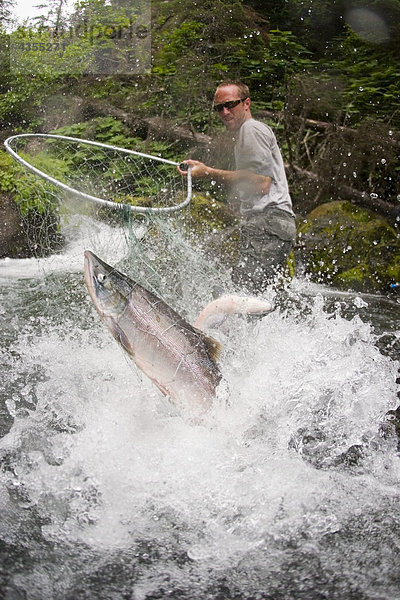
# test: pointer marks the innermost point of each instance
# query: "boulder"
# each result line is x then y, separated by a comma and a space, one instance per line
212, 222
13, 239
349, 247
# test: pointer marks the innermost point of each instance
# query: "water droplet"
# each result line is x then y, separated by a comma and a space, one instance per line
360, 303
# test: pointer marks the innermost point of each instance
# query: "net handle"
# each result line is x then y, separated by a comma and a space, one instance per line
102, 201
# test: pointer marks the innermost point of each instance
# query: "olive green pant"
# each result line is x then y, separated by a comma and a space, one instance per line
266, 241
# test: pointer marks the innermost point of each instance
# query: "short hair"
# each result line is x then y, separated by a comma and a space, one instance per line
242, 87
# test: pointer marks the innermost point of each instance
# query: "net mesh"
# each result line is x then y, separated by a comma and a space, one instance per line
159, 249
141, 182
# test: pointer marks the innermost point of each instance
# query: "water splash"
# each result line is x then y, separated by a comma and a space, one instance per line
289, 488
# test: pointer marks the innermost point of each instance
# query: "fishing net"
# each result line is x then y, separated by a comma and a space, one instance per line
107, 175
130, 208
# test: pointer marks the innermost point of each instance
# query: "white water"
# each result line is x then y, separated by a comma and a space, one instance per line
108, 492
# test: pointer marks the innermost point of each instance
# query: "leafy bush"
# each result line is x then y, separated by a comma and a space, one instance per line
372, 76
29, 193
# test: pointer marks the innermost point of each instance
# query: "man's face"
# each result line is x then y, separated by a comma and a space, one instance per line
232, 118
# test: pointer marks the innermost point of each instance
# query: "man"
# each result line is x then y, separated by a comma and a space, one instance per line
259, 182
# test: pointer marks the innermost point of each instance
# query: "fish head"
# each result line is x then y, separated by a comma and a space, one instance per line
179, 359
109, 289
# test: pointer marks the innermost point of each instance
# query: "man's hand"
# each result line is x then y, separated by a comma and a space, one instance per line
259, 184
198, 169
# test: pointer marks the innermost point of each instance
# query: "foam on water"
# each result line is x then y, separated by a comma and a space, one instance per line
287, 489
81, 233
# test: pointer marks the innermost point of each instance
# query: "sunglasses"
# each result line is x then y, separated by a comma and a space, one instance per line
229, 105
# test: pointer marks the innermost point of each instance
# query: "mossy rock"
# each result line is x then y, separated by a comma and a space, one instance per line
349, 247
210, 214
212, 222
13, 239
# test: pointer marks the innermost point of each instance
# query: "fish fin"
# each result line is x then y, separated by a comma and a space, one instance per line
214, 347
162, 388
122, 338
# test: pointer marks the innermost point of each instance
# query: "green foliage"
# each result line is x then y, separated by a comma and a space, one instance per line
220, 41
196, 45
297, 55
195, 53
28, 195
21, 97
6, 172
118, 173
316, 23
107, 130
35, 52
372, 76
111, 131
4, 51
270, 77
180, 41
96, 38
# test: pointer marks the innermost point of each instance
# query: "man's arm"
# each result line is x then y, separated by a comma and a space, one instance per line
258, 183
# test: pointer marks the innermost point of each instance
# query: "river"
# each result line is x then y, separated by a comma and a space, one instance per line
288, 489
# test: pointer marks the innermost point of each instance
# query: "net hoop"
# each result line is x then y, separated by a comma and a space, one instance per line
83, 195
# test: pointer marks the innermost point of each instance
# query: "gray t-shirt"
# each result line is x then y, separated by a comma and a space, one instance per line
256, 150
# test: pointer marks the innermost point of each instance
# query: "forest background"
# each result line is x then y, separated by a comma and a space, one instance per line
325, 74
